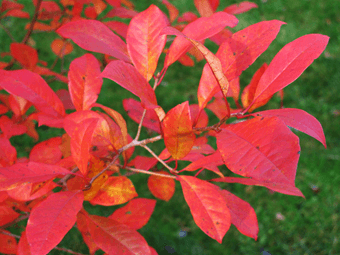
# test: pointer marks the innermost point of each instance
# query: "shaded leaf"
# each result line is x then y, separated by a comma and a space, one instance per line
136, 213
8, 244
84, 230
47, 152
240, 7
93, 35
7, 215
144, 42
173, 12
207, 206
23, 246
52, 219
8, 153
25, 55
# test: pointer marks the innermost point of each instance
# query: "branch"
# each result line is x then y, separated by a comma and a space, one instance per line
147, 172
23, 217
34, 19
159, 159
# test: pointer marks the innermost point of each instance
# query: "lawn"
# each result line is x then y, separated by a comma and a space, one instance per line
288, 224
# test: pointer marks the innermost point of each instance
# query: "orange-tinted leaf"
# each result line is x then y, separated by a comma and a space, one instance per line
186, 60
275, 186
161, 187
116, 238
61, 47
144, 42
136, 213
204, 8
121, 12
207, 206
242, 215
81, 137
249, 91
28, 172
203, 118
299, 120
18, 105
287, 66
25, 55
261, 148
52, 219
93, 35
7, 214
240, 8
199, 30
33, 88
116, 190
177, 131
236, 54
8, 244
47, 152
135, 111
173, 12
84, 81
129, 78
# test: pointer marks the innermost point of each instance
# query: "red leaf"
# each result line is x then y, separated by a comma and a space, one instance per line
161, 187
116, 238
299, 120
121, 12
84, 81
236, 54
9, 128
275, 186
177, 131
8, 153
33, 88
240, 8
142, 162
288, 65
84, 230
25, 55
115, 191
129, 78
242, 215
52, 219
203, 118
47, 152
207, 206
119, 27
30, 172
7, 215
173, 12
136, 213
261, 148
187, 17
135, 111
199, 30
144, 43
8, 244
23, 246
93, 35
81, 140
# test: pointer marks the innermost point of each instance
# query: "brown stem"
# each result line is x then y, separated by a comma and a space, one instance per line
34, 19
7, 32
67, 250
159, 159
23, 217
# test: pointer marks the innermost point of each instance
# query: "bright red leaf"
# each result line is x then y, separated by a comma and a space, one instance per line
47, 152
25, 55
84, 81
52, 219
93, 35
84, 230
287, 66
261, 148
116, 238
207, 206
240, 7
299, 120
144, 42
33, 88
136, 213
8, 244
7, 215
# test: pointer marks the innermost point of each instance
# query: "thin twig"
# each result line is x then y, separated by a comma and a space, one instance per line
23, 217
147, 172
67, 250
34, 19
67, 177
7, 32
159, 159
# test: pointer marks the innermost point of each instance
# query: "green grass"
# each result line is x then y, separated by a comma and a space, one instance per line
310, 225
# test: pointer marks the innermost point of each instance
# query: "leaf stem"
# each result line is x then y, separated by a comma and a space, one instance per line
34, 19
159, 159
148, 172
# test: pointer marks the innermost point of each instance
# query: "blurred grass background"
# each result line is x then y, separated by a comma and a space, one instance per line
288, 224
